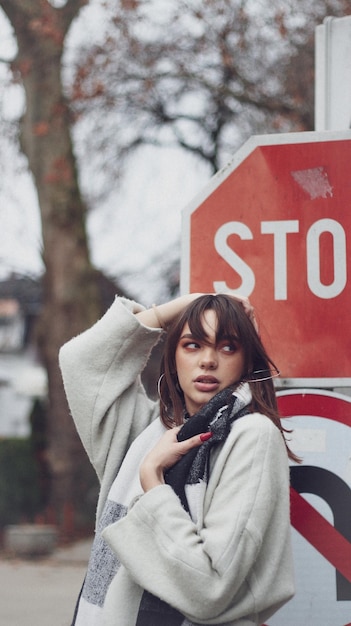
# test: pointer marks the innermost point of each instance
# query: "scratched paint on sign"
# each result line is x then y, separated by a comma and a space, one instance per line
314, 181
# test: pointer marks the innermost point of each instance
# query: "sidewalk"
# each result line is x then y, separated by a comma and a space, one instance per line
42, 592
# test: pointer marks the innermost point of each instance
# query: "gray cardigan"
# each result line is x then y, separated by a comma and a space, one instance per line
237, 568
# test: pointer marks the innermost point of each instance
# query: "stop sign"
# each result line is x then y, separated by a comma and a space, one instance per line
274, 225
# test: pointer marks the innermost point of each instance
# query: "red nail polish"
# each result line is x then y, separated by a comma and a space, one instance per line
205, 436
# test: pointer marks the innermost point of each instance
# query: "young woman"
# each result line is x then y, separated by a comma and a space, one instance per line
193, 516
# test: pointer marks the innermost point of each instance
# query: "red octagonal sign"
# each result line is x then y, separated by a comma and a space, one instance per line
275, 225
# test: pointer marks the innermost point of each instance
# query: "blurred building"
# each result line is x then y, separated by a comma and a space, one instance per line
22, 378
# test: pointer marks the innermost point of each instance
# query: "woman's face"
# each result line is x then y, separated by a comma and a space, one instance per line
205, 368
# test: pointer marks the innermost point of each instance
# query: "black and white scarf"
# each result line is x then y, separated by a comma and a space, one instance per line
188, 478
190, 475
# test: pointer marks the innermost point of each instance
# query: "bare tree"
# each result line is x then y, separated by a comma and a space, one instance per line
71, 293
203, 75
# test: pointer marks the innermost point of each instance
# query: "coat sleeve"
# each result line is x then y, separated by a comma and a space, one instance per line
101, 374
210, 572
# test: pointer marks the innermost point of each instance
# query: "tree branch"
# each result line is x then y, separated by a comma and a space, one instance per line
19, 10
70, 11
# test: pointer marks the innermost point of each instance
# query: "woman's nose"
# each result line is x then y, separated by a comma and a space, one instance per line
208, 359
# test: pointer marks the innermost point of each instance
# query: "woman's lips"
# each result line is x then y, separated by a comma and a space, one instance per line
206, 383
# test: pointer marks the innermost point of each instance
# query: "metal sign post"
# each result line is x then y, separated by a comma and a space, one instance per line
333, 74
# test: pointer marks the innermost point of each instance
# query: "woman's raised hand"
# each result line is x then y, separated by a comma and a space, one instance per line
164, 455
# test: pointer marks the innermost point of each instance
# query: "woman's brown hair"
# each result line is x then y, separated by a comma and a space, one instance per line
232, 321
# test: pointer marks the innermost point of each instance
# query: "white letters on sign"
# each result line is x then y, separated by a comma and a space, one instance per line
233, 259
280, 229
313, 258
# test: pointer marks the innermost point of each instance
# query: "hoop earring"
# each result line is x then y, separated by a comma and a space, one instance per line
159, 391
271, 375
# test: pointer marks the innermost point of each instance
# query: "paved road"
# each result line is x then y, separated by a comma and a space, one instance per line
43, 592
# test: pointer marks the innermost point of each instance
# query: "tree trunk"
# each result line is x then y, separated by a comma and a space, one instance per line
71, 294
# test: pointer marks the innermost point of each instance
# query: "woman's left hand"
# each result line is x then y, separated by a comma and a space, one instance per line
164, 455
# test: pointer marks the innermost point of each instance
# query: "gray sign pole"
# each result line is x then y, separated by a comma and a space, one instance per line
333, 74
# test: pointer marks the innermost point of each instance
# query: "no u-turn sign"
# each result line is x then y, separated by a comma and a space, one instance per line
320, 508
275, 225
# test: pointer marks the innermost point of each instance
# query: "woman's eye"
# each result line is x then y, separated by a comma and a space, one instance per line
228, 347
191, 345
